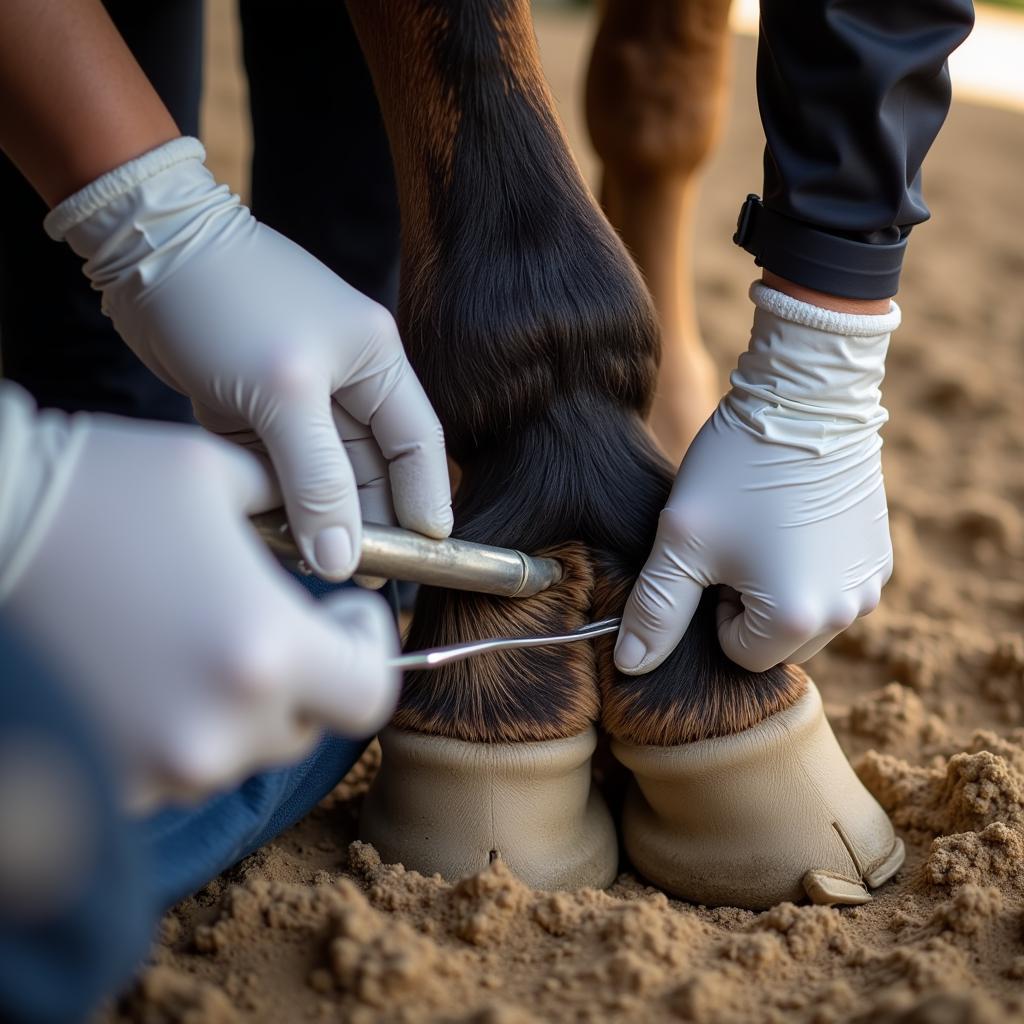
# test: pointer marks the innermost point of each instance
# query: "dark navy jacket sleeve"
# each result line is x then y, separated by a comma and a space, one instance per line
852, 94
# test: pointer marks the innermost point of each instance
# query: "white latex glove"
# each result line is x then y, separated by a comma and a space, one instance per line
269, 344
780, 497
126, 559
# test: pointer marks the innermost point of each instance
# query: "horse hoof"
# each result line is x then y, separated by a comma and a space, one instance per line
450, 807
770, 814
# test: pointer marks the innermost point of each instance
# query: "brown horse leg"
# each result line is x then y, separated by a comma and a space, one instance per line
655, 95
537, 343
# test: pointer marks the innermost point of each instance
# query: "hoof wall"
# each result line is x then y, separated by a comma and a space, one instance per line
448, 807
771, 814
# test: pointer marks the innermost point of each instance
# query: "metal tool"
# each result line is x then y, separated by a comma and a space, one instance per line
398, 554
457, 652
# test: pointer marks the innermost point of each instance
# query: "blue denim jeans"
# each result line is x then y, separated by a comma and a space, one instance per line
187, 847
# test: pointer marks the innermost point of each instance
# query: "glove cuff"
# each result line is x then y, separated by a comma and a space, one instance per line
811, 377
84, 203
850, 325
38, 451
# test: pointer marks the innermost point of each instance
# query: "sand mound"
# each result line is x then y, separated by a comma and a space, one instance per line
379, 943
926, 694
970, 791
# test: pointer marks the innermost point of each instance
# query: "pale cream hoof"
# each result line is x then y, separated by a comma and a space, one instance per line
449, 807
773, 813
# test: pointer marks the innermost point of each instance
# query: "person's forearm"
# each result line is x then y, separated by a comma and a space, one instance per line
74, 103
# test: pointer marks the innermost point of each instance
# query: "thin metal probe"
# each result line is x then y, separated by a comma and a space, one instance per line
457, 652
392, 553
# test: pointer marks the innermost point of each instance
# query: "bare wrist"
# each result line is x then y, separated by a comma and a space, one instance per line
863, 307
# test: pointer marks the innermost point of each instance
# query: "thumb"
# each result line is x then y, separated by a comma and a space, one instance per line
657, 614
319, 487
344, 672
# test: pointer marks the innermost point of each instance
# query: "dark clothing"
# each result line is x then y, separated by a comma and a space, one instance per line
852, 96
314, 109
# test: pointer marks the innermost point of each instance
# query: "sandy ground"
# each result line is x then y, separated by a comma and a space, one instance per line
927, 696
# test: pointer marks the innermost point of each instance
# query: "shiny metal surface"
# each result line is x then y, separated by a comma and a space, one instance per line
393, 553
437, 656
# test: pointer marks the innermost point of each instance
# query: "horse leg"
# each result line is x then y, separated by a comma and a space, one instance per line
537, 343
656, 91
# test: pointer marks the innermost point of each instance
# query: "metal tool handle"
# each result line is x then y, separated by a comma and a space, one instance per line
457, 652
403, 555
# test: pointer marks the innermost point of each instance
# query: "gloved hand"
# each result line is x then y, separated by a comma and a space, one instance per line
270, 345
128, 562
780, 497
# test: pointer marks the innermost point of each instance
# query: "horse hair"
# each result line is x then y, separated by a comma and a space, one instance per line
536, 340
